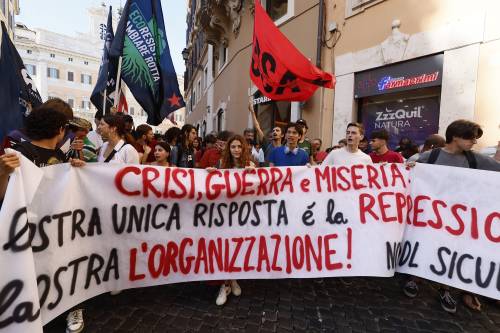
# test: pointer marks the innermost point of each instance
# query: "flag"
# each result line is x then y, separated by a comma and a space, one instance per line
278, 69
122, 103
106, 82
18, 94
147, 66
172, 118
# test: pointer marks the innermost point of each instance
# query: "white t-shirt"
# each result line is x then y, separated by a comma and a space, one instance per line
96, 139
258, 155
125, 153
342, 156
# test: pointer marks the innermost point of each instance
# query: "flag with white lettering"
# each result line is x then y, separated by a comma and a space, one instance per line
147, 66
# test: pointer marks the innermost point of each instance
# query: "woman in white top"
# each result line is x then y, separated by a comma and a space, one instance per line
119, 147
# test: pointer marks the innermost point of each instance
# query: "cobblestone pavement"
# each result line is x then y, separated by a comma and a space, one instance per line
300, 305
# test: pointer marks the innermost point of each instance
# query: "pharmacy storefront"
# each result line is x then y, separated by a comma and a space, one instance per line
402, 98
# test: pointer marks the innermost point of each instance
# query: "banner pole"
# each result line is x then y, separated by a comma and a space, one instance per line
118, 81
104, 102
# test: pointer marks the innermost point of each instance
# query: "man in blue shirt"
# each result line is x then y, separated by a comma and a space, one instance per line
289, 154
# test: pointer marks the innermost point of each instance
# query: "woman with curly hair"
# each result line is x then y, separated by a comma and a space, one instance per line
236, 155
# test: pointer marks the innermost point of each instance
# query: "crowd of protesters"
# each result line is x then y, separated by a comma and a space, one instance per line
52, 135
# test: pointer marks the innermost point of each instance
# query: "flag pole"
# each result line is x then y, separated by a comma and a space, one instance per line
118, 81
104, 102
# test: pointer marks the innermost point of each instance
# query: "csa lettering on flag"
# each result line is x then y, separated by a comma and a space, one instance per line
147, 66
18, 94
106, 81
278, 69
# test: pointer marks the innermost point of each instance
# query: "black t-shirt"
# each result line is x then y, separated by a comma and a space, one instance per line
41, 157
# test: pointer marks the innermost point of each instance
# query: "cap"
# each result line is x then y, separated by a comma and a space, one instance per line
302, 122
80, 123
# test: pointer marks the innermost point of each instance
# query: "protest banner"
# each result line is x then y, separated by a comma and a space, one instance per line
107, 227
454, 228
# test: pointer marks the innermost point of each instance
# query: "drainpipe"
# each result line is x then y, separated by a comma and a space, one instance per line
320, 33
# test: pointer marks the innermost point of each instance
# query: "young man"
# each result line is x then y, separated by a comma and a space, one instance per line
304, 142
257, 154
461, 136
45, 126
290, 154
350, 154
380, 152
145, 143
317, 154
277, 137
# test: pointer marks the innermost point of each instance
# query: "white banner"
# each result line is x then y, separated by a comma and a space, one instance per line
107, 227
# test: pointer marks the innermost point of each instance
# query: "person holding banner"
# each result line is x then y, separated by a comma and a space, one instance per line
119, 147
461, 135
162, 154
236, 155
8, 163
350, 154
184, 151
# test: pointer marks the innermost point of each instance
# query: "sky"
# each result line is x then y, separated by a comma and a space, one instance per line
68, 17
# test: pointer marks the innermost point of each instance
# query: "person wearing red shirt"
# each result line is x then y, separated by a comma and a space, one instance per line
212, 156
380, 152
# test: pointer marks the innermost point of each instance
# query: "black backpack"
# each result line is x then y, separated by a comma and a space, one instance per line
471, 159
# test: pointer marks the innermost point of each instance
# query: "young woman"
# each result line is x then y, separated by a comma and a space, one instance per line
119, 147
184, 151
162, 154
236, 155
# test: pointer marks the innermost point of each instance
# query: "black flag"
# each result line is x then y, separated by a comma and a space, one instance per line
107, 73
18, 94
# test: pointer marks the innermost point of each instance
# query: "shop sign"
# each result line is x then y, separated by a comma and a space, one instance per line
415, 119
408, 75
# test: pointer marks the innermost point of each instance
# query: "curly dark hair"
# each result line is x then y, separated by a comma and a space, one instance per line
45, 123
227, 161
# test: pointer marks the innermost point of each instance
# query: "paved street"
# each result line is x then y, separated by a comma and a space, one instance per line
306, 305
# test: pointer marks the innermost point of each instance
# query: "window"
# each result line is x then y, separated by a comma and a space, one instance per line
193, 98
70, 59
31, 69
85, 104
198, 87
2, 6
132, 110
222, 56
71, 76
52, 55
71, 102
354, 7
53, 73
220, 119
27, 51
86, 79
85, 62
205, 77
279, 10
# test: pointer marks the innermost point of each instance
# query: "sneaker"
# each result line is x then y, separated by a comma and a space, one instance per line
74, 321
411, 289
235, 288
448, 303
223, 292
115, 292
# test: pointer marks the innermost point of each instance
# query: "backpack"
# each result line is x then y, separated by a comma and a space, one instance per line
471, 159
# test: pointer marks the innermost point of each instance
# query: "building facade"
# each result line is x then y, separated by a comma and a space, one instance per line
67, 66
217, 83
412, 67
407, 66
8, 11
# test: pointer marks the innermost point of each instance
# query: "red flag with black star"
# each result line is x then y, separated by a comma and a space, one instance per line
278, 68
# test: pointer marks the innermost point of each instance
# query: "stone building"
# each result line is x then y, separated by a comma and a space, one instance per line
8, 11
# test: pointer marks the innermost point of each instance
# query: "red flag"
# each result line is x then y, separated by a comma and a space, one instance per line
122, 103
278, 69
171, 117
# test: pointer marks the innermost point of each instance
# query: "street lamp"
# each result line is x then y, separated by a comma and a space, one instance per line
185, 54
